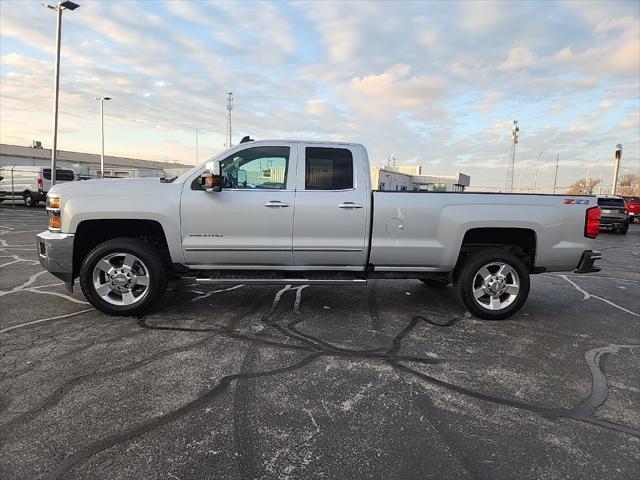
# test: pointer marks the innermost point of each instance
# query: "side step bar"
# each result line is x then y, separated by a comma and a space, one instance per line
282, 281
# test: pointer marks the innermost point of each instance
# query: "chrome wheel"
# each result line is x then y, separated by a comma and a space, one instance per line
496, 286
121, 279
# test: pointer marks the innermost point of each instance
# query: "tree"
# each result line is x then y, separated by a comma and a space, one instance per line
629, 185
580, 187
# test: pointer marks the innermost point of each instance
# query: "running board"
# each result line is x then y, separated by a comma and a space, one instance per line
281, 281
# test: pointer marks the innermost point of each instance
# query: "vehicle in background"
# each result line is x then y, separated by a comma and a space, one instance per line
614, 214
232, 221
30, 184
633, 207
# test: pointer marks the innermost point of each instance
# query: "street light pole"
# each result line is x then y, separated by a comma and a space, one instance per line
56, 85
102, 99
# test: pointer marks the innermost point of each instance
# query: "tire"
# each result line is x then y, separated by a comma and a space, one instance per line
435, 282
123, 276
29, 200
511, 287
624, 229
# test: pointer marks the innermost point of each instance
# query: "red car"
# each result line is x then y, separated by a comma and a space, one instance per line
633, 207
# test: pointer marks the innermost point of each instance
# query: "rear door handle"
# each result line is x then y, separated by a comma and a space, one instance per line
276, 203
349, 205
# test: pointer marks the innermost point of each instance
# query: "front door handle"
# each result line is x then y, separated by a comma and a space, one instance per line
276, 203
349, 205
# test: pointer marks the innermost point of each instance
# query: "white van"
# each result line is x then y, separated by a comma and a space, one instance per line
30, 184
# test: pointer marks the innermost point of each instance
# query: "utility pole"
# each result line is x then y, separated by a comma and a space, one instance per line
229, 142
617, 158
56, 83
555, 177
197, 160
535, 178
600, 186
514, 135
587, 190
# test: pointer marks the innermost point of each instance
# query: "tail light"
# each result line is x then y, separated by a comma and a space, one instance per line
39, 185
592, 222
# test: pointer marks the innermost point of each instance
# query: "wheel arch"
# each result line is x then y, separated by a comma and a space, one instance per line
522, 242
91, 233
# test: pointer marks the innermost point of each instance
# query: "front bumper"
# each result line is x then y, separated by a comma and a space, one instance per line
587, 260
55, 251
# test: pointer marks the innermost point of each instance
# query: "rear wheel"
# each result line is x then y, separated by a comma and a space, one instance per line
123, 276
29, 200
624, 229
493, 284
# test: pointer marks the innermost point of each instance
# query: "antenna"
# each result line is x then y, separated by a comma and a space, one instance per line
229, 141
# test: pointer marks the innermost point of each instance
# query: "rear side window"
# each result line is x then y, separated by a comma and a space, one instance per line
62, 175
328, 169
611, 202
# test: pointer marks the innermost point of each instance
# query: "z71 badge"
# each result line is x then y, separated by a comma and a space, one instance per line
576, 201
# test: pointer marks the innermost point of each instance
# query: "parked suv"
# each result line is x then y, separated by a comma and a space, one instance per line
29, 183
633, 207
614, 214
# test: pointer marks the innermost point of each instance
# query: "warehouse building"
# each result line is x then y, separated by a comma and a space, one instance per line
410, 178
87, 165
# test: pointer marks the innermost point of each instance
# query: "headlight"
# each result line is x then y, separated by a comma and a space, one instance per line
53, 212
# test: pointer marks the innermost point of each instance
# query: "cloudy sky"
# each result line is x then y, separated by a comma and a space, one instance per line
432, 83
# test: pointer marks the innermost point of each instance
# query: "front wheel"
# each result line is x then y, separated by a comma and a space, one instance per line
494, 284
123, 276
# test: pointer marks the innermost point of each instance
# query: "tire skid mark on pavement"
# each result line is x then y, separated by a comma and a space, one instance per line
318, 348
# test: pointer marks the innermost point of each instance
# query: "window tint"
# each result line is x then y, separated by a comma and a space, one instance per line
611, 202
328, 169
62, 175
258, 167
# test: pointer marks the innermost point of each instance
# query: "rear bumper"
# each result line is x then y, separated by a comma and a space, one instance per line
55, 251
587, 261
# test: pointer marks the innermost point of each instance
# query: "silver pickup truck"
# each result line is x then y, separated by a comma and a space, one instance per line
295, 212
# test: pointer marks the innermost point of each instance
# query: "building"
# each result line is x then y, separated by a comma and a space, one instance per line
87, 165
410, 178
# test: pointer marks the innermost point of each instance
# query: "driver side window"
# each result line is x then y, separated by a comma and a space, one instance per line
256, 168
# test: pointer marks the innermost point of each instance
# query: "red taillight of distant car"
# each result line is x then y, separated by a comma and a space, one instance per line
592, 222
40, 185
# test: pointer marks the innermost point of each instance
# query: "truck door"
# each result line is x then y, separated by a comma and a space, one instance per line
249, 223
332, 207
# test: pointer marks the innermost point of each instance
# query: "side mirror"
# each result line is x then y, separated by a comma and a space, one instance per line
211, 180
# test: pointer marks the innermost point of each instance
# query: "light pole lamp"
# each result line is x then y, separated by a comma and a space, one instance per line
59, 7
102, 100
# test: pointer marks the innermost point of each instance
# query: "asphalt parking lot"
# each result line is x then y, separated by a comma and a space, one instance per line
389, 381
